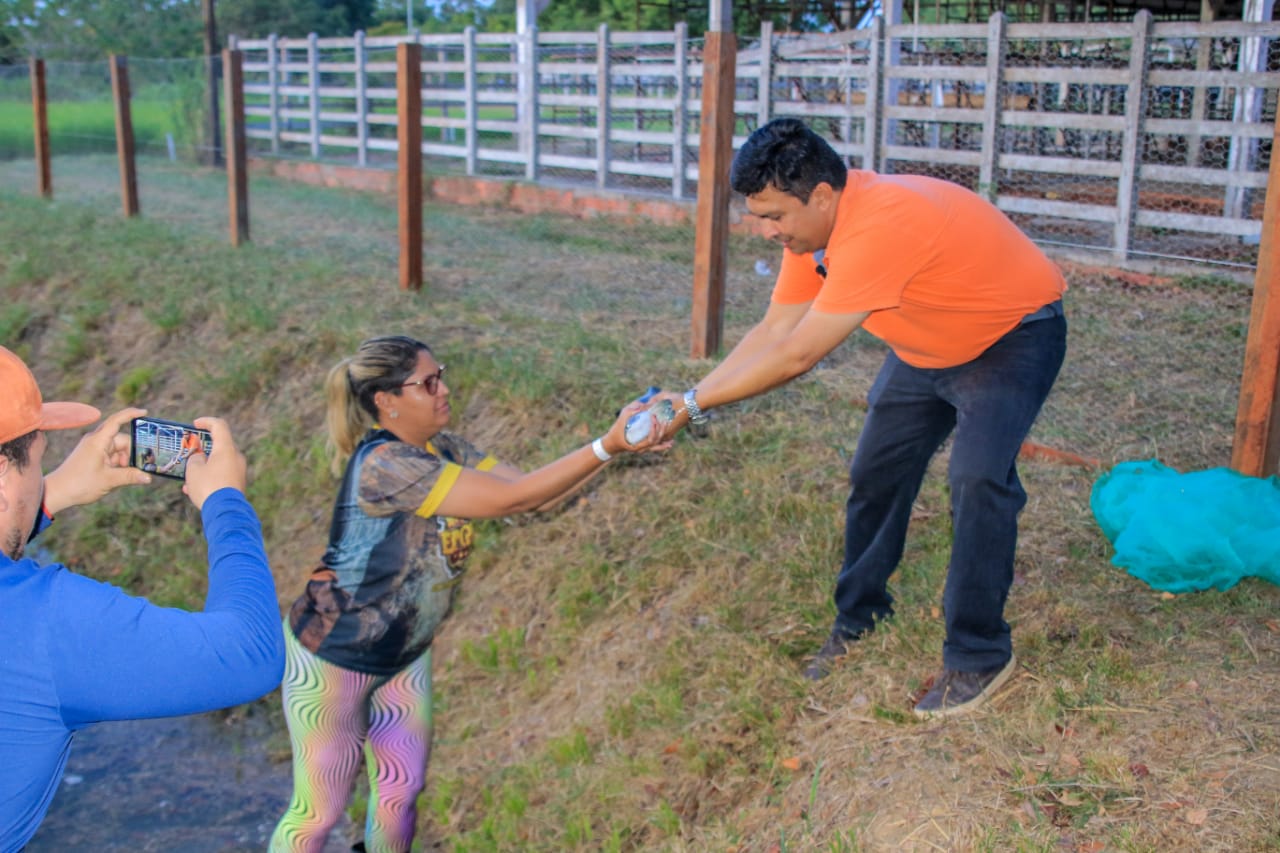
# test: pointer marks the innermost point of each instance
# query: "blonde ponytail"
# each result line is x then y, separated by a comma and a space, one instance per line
380, 364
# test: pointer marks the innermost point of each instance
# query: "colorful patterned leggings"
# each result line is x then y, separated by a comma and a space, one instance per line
333, 714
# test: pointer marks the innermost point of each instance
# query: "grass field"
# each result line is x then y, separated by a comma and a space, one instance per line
624, 673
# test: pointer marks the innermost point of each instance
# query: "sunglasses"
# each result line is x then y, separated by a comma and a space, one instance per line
431, 383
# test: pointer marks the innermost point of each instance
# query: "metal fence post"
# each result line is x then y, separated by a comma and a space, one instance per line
680, 113
603, 88
469, 93
764, 84
529, 100
875, 95
1134, 119
273, 91
313, 94
991, 108
362, 100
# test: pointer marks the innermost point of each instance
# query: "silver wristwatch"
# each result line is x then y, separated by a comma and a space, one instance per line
697, 417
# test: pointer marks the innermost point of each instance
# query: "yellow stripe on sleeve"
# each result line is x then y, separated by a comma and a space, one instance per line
448, 476
487, 463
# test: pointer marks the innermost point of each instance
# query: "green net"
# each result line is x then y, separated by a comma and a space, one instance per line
1187, 532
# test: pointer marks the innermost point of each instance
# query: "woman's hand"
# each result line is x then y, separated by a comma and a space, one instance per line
615, 440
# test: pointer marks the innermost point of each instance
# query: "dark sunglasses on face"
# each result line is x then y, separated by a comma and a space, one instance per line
431, 382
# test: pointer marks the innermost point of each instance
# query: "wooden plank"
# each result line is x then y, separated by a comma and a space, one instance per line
715, 154
237, 160
124, 135
40, 105
1255, 449
409, 162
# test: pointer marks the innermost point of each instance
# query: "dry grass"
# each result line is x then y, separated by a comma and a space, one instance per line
624, 673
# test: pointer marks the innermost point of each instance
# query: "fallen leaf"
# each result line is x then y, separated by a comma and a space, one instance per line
671, 748
1139, 770
1070, 761
935, 612
1273, 626
1167, 596
791, 764
1196, 817
1091, 847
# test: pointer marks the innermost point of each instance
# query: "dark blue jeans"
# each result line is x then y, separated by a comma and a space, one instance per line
990, 403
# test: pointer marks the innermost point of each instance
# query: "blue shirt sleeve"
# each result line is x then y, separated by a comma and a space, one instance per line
117, 656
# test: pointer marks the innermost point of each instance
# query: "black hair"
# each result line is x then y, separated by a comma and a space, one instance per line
18, 450
786, 154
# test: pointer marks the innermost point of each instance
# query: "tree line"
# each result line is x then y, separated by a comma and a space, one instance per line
87, 30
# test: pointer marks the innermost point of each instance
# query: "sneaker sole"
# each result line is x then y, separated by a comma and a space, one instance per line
976, 702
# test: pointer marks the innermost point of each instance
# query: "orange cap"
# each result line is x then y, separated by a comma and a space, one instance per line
24, 410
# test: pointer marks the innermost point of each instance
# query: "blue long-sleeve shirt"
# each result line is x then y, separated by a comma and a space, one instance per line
74, 651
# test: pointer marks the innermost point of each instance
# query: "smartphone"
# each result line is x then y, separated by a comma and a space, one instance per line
163, 447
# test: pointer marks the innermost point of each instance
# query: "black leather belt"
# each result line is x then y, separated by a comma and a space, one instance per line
1053, 309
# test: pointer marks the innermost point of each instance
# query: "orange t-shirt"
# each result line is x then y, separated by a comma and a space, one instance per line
943, 271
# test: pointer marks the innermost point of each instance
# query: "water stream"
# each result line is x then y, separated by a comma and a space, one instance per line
200, 784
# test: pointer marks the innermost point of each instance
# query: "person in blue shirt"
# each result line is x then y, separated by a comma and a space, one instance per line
74, 651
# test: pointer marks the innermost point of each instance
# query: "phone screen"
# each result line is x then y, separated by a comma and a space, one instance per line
163, 447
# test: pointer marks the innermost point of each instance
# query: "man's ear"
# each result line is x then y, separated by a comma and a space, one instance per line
823, 196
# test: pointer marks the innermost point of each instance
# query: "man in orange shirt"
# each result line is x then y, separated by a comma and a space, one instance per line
972, 313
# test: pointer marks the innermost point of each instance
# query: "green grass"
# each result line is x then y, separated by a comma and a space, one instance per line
623, 673
81, 127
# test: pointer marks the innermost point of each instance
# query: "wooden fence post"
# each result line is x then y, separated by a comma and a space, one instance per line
409, 160
237, 171
715, 155
40, 104
211, 155
1255, 449
124, 135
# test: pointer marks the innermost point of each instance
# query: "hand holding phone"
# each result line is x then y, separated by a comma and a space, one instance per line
163, 447
224, 467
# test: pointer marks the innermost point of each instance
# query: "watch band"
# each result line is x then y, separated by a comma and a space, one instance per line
696, 415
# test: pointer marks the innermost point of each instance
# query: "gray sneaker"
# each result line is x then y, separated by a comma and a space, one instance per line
955, 692
822, 663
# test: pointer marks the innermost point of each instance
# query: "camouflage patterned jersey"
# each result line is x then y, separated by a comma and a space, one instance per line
387, 579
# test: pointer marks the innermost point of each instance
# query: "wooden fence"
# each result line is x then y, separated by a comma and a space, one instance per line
1131, 139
